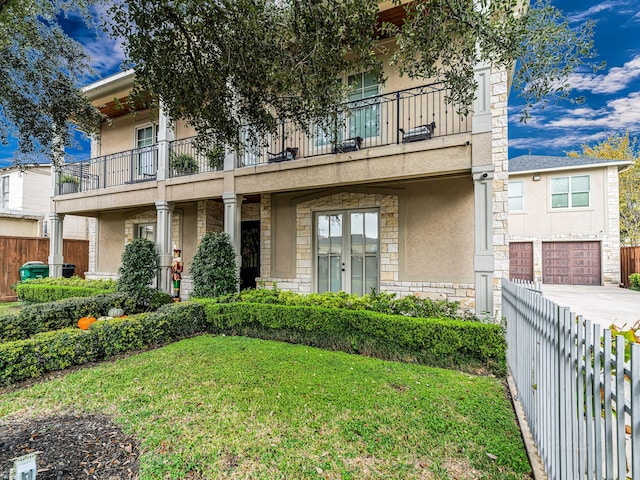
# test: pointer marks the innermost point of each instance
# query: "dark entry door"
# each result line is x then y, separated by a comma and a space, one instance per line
250, 253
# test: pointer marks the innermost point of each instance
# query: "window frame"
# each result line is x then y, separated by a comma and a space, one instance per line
4, 192
510, 196
570, 192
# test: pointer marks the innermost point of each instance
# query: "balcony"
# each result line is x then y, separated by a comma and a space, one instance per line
405, 116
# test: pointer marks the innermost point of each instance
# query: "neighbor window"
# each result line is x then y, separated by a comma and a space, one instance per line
516, 196
570, 192
4, 191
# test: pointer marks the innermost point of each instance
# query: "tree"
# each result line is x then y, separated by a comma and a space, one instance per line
138, 270
621, 146
224, 64
40, 70
214, 271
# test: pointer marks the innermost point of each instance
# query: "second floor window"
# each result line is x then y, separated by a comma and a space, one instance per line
364, 114
516, 196
570, 192
4, 191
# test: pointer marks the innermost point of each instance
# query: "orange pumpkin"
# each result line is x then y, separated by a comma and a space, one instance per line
85, 322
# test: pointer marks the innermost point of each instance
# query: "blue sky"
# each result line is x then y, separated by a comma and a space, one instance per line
612, 95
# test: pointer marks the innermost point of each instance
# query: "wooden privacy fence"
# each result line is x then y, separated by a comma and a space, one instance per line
581, 399
16, 251
629, 263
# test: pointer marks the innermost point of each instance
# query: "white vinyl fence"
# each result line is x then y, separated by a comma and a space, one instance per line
580, 397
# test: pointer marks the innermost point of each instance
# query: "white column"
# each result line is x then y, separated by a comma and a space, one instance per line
55, 245
166, 134
232, 222
481, 121
164, 211
483, 260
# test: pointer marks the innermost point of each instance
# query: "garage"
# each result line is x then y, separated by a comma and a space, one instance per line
521, 261
571, 263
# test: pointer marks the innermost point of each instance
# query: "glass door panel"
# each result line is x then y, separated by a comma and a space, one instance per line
329, 252
146, 157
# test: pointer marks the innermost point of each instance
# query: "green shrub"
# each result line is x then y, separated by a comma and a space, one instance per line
50, 351
437, 342
40, 293
45, 317
75, 281
389, 303
213, 271
634, 279
138, 270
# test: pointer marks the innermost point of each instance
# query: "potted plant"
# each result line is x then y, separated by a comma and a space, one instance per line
215, 158
183, 163
69, 183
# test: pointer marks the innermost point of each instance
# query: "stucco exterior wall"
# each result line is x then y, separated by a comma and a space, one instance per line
120, 135
421, 251
19, 227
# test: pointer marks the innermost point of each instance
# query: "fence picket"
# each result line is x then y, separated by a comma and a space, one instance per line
635, 410
573, 390
620, 400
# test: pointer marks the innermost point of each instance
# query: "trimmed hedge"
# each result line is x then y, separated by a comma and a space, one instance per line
50, 351
45, 317
467, 346
634, 279
42, 292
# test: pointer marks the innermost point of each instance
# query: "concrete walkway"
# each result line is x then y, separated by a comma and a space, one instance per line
606, 306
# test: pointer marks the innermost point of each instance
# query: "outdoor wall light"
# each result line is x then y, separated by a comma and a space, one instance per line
536, 178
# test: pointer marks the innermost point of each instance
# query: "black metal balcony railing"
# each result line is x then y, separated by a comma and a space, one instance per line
187, 158
399, 117
133, 166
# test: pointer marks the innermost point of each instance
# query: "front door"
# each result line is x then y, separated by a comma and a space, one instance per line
347, 251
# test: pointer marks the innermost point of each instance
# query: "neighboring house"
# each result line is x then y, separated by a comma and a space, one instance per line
564, 220
25, 204
421, 212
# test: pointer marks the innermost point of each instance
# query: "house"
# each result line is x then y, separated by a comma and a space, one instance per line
409, 198
25, 204
564, 220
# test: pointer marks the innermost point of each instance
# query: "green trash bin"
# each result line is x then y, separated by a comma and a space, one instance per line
33, 270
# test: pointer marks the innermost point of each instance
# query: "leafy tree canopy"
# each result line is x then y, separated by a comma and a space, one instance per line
621, 146
41, 69
226, 63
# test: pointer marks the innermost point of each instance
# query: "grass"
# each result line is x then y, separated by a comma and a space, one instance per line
235, 407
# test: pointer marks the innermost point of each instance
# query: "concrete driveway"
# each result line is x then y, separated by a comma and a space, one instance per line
605, 305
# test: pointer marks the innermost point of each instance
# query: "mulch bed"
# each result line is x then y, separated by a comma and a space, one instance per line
70, 447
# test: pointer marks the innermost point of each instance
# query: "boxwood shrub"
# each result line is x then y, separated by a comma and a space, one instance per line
50, 351
43, 292
45, 317
440, 342
634, 279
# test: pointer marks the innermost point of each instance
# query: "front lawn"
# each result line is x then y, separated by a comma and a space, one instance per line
234, 407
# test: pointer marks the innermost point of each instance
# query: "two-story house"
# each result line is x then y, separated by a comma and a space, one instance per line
408, 197
25, 204
564, 219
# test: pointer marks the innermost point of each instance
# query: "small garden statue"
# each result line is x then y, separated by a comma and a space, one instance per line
176, 270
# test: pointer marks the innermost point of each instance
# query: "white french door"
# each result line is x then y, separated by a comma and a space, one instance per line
347, 245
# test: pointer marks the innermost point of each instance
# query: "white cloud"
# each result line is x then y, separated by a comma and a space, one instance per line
565, 142
581, 16
615, 80
618, 114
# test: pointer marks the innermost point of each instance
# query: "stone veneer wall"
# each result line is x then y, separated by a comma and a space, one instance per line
210, 217
611, 243
389, 248
500, 159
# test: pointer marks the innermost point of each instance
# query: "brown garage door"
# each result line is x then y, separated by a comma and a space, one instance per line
571, 263
521, 261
